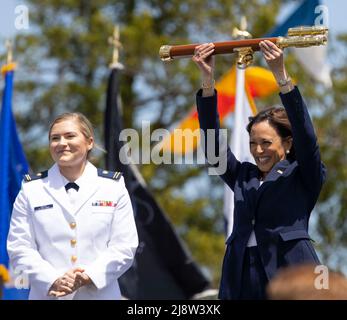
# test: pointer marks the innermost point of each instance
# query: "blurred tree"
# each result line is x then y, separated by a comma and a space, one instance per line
64, 66
332, 128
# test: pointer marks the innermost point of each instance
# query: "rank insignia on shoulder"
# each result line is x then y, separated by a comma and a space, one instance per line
109, 174
35, 176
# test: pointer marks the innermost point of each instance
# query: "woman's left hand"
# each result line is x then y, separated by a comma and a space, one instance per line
274, 58
82, 279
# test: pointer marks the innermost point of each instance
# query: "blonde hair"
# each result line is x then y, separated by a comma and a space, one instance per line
83, 122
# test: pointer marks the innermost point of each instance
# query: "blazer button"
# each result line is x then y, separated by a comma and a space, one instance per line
253, 222
73, 242
73, 259
73, 225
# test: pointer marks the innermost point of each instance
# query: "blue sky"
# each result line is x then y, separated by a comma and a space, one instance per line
336, 22
337, 17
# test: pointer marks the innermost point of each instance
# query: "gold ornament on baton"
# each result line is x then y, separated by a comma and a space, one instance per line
299, 37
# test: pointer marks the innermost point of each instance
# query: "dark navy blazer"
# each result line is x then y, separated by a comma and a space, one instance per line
280, 208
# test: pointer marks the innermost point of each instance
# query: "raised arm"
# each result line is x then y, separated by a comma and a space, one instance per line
304, 138
214, 144
305, 142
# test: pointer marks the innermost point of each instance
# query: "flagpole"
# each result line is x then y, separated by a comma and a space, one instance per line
240, 34
238, 135
113, 122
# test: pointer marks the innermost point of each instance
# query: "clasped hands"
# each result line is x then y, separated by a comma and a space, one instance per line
69, 282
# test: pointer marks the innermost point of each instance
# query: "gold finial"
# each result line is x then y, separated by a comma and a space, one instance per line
10, 64
114, 41
241, 33
9, 46
243, 23
244, 55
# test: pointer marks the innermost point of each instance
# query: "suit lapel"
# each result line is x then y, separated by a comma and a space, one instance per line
276, 172
252, 187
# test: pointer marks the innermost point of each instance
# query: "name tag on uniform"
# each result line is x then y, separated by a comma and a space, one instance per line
104, 203
47, 206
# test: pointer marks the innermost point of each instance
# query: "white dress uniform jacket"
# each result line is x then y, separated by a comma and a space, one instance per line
49, 235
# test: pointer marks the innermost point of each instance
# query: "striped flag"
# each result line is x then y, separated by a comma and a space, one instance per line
260, 83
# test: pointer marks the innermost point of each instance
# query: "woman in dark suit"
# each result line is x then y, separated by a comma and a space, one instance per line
274, 198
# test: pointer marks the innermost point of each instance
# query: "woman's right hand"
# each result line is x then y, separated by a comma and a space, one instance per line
66, 284
204, 59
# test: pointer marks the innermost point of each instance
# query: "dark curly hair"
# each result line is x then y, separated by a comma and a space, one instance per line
278, 119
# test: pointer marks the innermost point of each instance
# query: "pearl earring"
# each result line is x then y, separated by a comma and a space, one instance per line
287, 152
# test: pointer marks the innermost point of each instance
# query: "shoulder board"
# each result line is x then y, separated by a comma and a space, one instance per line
35, 176
115, 175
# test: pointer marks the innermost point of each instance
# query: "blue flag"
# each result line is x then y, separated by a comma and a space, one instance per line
313, 59
304, 15
13, 166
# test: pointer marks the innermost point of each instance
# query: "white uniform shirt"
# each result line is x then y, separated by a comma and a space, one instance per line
48, 236
72, 193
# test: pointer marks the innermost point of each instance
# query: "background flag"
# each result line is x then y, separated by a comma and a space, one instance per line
260, 83
312, 59
244, 108
163, 268
13, 166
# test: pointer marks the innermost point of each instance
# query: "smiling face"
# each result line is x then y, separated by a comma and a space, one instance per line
266, 146
68, 146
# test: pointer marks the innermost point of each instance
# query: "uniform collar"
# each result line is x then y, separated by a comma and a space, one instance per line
56, 187
87, 174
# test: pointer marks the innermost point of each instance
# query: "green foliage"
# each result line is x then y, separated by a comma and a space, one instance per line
64, 61
332, 131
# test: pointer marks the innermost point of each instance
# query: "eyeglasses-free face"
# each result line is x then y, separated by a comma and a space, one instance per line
67, 144
266, 146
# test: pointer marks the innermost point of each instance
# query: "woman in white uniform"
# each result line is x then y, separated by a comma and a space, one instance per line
72, 228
